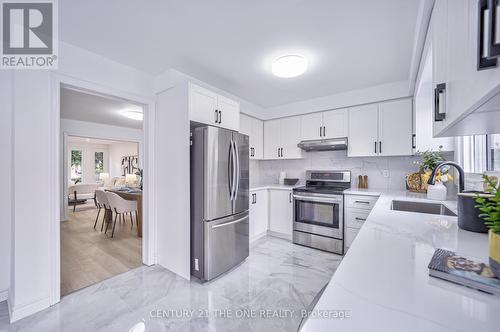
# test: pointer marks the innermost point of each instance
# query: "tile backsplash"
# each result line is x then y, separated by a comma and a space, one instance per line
267, 171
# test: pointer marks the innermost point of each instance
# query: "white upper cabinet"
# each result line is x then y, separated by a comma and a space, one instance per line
290, 137
311, 126
335, 123
330, 124
395, 128
213, 109
203, 105
464, 74
281, 137
363, 131
255, 130
383, 129
272, 139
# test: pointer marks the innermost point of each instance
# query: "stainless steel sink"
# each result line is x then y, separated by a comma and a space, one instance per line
422, 207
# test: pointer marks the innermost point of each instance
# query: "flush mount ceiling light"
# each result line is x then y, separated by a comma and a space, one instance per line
134, 115
290, 65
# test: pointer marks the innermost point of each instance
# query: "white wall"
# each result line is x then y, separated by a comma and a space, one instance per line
6, 172
172, 167
398, 168
116, 152
32, 262
88, 159
345, 99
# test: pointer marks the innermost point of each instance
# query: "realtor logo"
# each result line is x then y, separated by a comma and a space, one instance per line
28, 35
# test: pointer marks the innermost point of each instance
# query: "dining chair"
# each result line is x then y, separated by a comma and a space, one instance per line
102, 203
122, 207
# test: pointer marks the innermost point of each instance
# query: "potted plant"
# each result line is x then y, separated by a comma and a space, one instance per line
490, 208
428, 161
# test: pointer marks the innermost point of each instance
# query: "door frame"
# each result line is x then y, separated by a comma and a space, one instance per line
149, 239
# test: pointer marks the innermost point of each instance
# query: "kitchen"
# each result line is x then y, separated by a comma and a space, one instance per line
293, 176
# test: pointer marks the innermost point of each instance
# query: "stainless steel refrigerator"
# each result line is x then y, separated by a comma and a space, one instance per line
219, 201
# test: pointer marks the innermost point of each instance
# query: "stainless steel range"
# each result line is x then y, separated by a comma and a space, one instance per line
318, 210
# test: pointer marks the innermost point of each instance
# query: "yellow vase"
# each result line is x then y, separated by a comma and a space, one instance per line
495, 252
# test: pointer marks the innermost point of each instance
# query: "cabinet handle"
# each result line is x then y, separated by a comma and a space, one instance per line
255, 198
320, 132
379, 146
216, 116
220, 117
483, 62
360, 219
290, 197
375, 147
440, 89
364, 202
493, 47
413, 141
324, 131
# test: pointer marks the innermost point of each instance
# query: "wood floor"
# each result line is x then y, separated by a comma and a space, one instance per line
88, 256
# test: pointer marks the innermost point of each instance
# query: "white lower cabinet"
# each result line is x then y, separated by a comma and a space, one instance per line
356, 211
280, 212
259, 213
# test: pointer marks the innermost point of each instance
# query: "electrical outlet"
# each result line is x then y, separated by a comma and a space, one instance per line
385, 173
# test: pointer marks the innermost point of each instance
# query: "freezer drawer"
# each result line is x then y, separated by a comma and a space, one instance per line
226, 244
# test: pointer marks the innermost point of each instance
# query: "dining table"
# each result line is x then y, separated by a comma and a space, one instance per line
131, 194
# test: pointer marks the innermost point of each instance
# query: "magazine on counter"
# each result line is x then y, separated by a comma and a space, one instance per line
449, 266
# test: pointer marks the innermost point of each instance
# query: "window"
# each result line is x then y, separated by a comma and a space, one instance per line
480, 153
99, 164
76, 166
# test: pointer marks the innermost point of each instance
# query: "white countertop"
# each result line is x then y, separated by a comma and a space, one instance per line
273, 186
383, 281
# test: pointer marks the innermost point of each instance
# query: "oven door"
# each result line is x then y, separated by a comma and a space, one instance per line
319, 214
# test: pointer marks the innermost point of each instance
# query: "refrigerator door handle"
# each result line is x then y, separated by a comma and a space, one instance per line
229, 223
230, 171
234, 170
237, 173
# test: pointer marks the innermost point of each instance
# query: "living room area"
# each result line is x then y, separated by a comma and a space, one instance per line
101, 214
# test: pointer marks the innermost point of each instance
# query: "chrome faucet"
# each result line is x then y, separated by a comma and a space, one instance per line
461, 179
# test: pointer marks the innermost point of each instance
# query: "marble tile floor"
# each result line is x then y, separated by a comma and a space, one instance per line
277, 279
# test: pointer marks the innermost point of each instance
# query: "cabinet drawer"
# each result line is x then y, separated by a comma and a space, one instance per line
361, 202
356, 218
350, 235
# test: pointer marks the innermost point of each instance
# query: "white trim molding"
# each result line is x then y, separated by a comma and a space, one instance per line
19, 312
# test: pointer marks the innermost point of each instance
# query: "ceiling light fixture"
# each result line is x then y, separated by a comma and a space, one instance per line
290, 65
134, 115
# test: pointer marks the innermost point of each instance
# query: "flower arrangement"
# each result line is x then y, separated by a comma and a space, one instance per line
428, 161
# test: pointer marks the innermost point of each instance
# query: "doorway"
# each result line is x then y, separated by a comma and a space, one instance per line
102, 211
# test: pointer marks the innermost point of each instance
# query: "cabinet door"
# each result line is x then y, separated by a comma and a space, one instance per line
395, 128
229, 113
290, 137
272, 139
311, 126
246, 126
335, 123
439, 29
261, 212
363, 131
280, 212
202, 105
257, 137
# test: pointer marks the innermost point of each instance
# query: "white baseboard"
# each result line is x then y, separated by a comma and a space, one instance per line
280, 235
20, 312
258, 236
4, 295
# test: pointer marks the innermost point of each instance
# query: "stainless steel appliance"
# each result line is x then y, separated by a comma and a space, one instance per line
318, 210
219, 201
328, 144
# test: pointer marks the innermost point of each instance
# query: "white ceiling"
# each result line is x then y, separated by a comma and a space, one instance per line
231, 43
91, 108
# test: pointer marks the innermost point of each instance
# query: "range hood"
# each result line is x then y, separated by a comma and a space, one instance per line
324, 144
